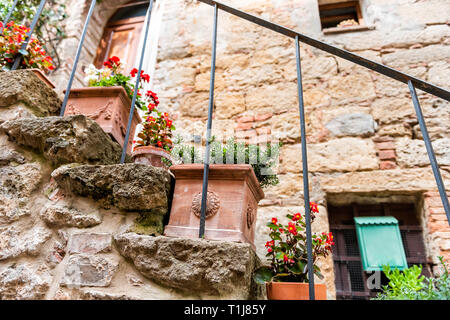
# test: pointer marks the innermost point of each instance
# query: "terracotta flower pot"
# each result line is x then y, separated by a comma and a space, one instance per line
108, 106
233, 196
151, 155
43, 77
294, 291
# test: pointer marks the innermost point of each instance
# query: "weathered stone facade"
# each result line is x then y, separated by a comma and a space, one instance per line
69, 217
364, 141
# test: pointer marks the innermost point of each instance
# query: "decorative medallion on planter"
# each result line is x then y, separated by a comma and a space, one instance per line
229, 219
251, 215
212, 204
108, 106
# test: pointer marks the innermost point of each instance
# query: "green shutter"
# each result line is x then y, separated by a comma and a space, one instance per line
380, 243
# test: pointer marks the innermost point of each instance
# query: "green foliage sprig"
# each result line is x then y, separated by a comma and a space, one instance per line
262, 158
409, 284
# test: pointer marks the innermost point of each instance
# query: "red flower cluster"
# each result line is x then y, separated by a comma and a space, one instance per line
112, 63
12, 37
286, 249
155, 101
145, 77
292, 228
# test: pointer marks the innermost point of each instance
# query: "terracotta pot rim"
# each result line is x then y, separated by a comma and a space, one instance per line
44, 77
220, 171
100, 92
145, 149
295, 283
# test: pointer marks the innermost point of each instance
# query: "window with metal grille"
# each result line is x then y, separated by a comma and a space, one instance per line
350, 278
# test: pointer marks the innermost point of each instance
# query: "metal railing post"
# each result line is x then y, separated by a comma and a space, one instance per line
305, 172
9, 14
25, 44
77, 57
136, 87
209, 126
430, 151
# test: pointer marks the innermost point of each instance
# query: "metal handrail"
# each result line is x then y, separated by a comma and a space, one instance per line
367, 63
411, 81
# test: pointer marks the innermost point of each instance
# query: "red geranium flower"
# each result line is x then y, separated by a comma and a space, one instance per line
313, 207
296, 216
159, 144
270, 243
292, 229
133, 72
274, 220
145, 77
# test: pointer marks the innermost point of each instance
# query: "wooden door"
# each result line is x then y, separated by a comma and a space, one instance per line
121, 39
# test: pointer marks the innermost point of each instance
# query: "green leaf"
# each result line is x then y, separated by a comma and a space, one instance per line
272, 226
263, 275
23, 52
280, 275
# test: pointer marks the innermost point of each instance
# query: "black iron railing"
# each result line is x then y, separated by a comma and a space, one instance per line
412, 82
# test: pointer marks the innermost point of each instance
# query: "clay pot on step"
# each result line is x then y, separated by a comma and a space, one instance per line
109, 107
41, 75
294, 291
232, 202
151, 156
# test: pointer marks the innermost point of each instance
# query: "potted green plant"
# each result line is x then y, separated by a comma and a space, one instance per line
237, 173
107, 99
155, 138
286, 277
34, 57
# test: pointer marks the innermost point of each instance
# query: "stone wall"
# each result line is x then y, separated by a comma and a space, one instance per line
74, 224
364, 142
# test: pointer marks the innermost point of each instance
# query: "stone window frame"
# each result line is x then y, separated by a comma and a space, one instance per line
336, 30
413, 235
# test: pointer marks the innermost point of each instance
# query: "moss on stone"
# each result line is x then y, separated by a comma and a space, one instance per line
150, 223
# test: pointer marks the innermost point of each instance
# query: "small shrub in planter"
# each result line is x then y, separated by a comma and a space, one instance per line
262, 158
236, 175
286, 277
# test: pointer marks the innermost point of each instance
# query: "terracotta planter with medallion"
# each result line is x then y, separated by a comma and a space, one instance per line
232, 201
294, 291
151, 156
108, 106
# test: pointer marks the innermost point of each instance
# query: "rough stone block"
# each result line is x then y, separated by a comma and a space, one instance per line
22, 283
90, 243
205, 267
14, 243
64, 139
23, 87
357, 124
69, 217
88, 271
131, 186
411, 153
